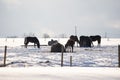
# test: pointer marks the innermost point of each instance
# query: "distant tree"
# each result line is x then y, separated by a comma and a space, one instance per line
24, 35
62, 36
45, 35
29, 34
12, 36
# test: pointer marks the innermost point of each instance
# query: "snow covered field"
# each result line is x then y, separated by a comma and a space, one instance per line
18, 56
94, 63
58, 73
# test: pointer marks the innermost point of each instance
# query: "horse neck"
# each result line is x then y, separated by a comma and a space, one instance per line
25, 41
38, 43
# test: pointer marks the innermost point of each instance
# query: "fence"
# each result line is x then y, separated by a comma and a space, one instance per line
118, 55
5, 53
84, 57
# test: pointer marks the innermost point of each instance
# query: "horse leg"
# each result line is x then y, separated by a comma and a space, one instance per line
99, 41
34, 45
66, 47
72, 48
92, 44
26, 45
98, 44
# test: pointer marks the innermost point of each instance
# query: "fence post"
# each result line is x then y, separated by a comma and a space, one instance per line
5, 52
118, 55
70, 61
62, 57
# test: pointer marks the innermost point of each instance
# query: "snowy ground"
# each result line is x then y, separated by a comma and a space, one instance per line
18, 56
105, 56
97, 63
64, 73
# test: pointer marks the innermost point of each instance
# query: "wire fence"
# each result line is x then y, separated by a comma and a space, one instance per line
106, 56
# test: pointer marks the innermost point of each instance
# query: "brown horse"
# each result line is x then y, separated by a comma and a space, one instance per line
71, 42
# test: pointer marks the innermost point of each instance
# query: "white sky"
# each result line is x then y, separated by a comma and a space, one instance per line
56, 17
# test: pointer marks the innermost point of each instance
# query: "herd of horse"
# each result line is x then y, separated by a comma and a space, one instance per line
83, 41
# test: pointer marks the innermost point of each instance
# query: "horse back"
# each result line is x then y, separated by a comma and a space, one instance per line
70, 42
94, 38
31, 39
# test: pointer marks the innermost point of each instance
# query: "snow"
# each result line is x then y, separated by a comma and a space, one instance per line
30, 63
84, 57
64, 73
18, 56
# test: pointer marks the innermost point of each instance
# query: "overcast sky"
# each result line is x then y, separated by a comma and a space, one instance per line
54, 17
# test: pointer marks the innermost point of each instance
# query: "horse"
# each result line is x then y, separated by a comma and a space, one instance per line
57, 47
85, 41
71, 42
32, 40
96, 38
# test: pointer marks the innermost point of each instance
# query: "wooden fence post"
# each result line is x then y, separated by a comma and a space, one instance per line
62, 57
5, 52
70, 61
118, 55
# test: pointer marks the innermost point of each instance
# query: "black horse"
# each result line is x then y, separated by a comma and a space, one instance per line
32, 40
71, 42
96, 38
85, 41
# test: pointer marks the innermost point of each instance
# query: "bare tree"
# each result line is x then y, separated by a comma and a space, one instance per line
62, 36
45, 35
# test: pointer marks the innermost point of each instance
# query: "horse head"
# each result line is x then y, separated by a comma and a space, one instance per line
75, 38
